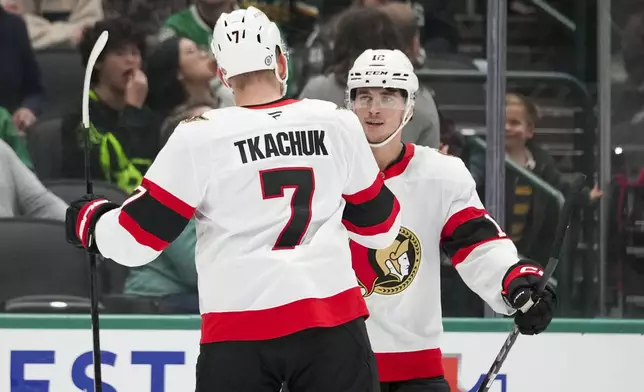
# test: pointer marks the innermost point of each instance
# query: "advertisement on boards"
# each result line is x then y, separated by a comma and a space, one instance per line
164, 361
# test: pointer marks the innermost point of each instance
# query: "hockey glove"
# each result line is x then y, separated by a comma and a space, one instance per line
534, 313
81, 218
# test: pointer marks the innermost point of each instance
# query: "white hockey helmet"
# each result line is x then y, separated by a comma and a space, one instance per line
387, 69
245, 41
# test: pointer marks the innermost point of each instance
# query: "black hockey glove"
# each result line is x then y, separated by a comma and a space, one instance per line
81, 218
534, 313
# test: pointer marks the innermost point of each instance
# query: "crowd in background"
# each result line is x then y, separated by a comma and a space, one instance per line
157, 71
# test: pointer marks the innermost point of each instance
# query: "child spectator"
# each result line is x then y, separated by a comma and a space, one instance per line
530, 218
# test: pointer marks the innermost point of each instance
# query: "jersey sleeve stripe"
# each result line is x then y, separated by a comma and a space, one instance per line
141, 236
466, 230
370, 224
168, 199
459, 218
366, 194
155, 217
461, 254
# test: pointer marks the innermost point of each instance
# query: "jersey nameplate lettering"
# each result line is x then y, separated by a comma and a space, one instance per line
292, 143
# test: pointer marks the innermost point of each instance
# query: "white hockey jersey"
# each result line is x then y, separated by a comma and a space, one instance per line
439, 209
274, 190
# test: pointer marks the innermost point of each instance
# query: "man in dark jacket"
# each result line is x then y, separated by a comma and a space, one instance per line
21, 89
123, 131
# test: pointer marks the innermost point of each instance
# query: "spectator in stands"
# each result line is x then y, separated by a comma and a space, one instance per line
10, 135
530, 218
21, 89
196, 23
357, 29
319, 46
424, 128
190, 109
124, 132
171, 278
179, 72
22, 194
53, 23
149, 15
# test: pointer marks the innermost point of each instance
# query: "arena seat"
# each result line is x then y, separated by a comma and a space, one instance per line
35, 260
70, 189
44, 144
62, 77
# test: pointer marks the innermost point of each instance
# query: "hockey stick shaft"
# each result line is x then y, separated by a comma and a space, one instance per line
93, 270
567, 212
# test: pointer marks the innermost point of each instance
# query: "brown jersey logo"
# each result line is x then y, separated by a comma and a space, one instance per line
387, 271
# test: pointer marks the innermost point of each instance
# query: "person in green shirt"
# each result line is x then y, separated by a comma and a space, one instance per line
171, 278
197, 22
9, 134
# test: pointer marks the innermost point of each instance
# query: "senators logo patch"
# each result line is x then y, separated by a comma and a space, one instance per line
387, 271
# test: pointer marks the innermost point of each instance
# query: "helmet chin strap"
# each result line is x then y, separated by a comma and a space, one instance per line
404, 122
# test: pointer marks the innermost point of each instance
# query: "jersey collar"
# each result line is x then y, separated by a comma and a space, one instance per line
274, 104
399, 165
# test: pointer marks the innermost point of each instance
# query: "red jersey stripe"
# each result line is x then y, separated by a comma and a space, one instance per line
366, 194
459, 218
141, 236
283, 320
168, 199
380, 228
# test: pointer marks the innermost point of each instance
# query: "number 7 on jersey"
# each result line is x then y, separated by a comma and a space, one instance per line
302, 180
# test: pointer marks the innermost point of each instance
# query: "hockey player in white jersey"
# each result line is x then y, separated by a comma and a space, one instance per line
274, 185
440, 210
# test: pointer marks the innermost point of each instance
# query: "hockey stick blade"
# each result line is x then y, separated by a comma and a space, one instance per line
93, 273
91, 62
567, 212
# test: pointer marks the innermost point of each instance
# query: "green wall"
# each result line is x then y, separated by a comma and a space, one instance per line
22, 321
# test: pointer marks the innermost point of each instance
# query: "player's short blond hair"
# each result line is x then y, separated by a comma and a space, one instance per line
531, 109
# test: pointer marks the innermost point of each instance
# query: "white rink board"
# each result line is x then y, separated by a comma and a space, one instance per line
552, 362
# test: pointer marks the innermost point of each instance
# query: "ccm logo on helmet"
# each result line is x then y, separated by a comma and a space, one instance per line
531, 270
376, 73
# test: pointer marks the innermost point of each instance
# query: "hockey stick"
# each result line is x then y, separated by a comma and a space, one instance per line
567, 212
93, 274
